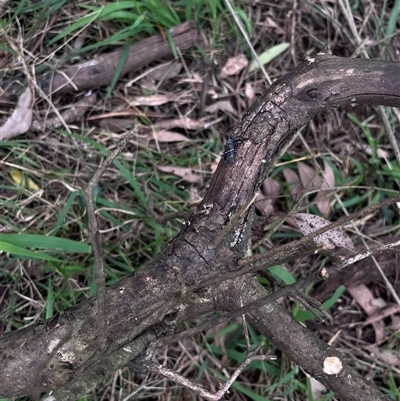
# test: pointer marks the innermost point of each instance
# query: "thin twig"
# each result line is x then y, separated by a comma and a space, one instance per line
245, 329
95, 240
303, 241
199, 389
142, 385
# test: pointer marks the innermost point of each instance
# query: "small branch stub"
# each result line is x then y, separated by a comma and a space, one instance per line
332, 365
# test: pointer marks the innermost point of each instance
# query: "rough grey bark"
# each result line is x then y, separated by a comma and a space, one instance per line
151, 302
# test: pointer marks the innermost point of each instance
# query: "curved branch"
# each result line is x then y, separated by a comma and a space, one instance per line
144, 301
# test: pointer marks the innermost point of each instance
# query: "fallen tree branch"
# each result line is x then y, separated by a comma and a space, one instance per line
100, 71
97, 73
145, 303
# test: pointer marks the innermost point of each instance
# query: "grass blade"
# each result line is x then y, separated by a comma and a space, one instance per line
268, 56
45, 242
25, 253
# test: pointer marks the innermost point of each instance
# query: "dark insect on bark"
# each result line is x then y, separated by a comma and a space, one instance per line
229, 150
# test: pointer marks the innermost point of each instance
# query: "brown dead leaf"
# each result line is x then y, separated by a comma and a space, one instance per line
182, 122
364, 297
323, 198
168, 136
250, 95
157, 100
323, 203
153, 100
223, 105
329, 176
317, 388
233, 66
309, 178
186, 173
20, 120
293, 182
308, 223
391, 357
395, 326
270, 23
382, 314
266, 199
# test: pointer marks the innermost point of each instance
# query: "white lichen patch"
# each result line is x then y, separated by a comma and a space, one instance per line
238, 236
52, 345
66, 356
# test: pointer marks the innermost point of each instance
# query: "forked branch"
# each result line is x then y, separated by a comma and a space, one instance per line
138, 306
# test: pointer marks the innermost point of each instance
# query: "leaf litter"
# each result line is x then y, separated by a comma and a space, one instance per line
20, 120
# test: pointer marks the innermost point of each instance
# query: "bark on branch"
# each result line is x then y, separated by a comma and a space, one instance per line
151, 301
100, 71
